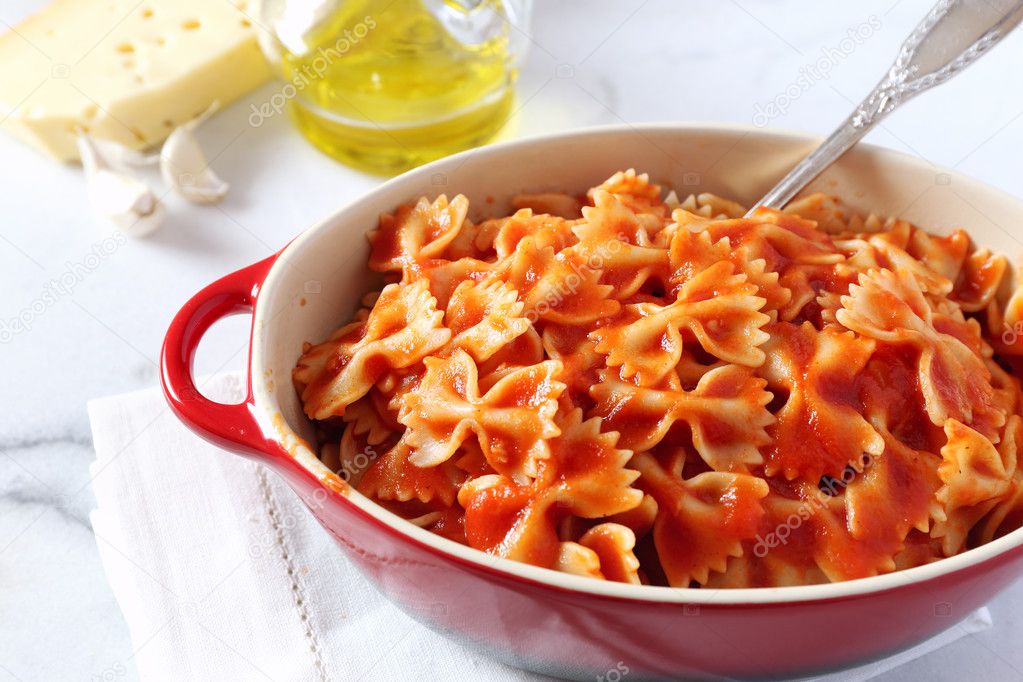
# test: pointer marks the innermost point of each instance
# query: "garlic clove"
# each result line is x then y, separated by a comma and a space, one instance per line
184, 167
121, 156
118, 197
126, 202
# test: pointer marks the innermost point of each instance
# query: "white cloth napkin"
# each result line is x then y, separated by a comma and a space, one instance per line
222, 574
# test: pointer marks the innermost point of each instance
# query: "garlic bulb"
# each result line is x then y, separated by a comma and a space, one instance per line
184, 166
117, 196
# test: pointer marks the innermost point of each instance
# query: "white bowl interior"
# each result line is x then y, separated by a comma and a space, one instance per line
316, 284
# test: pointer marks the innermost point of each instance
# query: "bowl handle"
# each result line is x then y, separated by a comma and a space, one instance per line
233, 427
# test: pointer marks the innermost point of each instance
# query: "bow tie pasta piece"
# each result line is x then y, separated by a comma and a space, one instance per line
392, 476
780, 239
829, 303
781, 553
897, 232
613, 544
888, 495
556, 204
860, 256
471, 241
402, 329
512, 421
484, 317
584, 476
719, 207
690, 369
947, 318
694, 214
794, 248
546, 231
827, 211
692, 252
586, 472
355, 454
557, 287
1007, 514
524, 350
616, 243
943, 255
1005, 517
624, 267
313, 362
805, 540
575, 559
519, 522
1006, 388
976, 476
896, 259
635, 191
725, 412
772, 571
889, 306
496, 238
918, 549
876, 253
444, 276
838, 554
702, 521
716, 307
364, 418
471, 460
979, 280
639, 519
611, 217
818, 371
447, 523
416, 233
683, 217
697, 211
509, 520
1008, 317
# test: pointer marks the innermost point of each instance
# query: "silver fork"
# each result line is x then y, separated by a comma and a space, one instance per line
953, 35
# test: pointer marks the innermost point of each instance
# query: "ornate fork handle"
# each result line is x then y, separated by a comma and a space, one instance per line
953, 35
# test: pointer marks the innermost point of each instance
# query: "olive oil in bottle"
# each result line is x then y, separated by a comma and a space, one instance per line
385, 85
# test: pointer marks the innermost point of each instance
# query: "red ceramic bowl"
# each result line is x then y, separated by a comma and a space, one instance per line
536, 618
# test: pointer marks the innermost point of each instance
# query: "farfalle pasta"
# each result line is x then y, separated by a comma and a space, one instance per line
629, 387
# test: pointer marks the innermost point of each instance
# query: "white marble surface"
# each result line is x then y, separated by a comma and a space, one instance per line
593, 62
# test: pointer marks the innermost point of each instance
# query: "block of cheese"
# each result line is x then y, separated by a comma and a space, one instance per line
123, 70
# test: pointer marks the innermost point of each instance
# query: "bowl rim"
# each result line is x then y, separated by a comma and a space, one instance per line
268, 413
